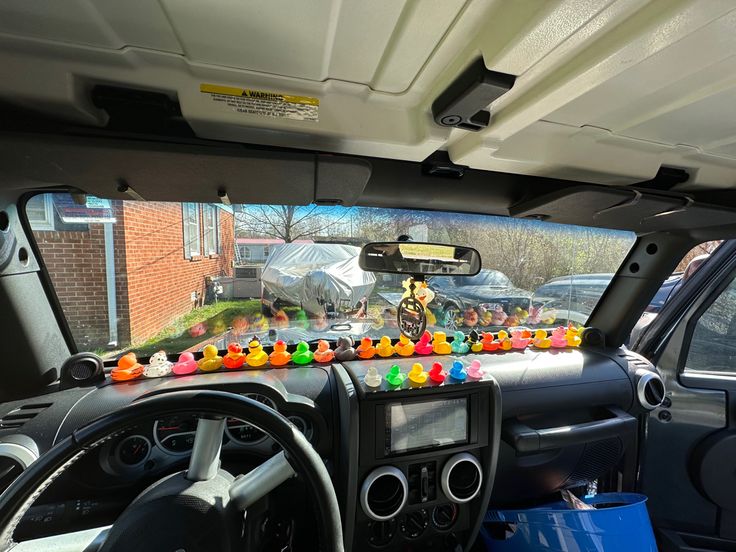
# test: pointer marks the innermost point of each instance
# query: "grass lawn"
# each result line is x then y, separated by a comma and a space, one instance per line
215, 318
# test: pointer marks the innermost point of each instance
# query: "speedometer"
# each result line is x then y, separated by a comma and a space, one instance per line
245, 433
175, 434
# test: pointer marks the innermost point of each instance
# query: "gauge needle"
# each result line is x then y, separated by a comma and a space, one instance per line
167, 428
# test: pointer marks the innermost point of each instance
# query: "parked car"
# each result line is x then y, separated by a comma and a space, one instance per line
486, 293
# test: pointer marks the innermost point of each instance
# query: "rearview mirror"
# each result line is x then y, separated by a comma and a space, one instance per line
427, 259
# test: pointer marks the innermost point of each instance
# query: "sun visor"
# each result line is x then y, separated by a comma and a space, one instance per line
622, 208
129, 169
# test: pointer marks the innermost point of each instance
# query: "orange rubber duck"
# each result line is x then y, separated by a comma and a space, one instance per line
405, 346
440, 345
323, 352
384, 348
489, 343
234, 357
128, 368
366, 349
280, 355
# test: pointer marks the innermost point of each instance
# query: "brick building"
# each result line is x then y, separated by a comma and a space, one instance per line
161, 254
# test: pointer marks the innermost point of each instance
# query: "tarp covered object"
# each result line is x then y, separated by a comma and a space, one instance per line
312, 274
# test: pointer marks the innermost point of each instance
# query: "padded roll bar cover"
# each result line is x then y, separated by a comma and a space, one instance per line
305, 460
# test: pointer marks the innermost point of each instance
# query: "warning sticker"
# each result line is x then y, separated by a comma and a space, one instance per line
269, 104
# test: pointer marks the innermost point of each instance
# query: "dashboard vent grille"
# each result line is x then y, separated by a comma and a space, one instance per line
19, 416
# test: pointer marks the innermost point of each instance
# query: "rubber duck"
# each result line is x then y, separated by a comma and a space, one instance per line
486, 317
541, 341
520, 338
128, 368
498, 318
394, 376
474, 341
521, 314
436, 373
458, 343
301, 320
573, 336
240, 325
218, 327
344, 350
424, 345
475, 371
372, 378
405, 346
280, 356
504, 341
440, 345
535, 316
210, 360
256, 355
198, 330
320, 322
559, 338
417, 374
489, 343
470, 317
234, 358
185, 365
366, 349
302, 355
384, 347
280, 319
457, 372
158, 366
512, 321
323, 352
259, 323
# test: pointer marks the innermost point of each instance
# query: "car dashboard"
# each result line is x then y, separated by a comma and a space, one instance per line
412, 465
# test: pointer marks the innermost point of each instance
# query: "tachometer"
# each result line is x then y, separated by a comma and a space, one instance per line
175, 434
133, 450
244, 433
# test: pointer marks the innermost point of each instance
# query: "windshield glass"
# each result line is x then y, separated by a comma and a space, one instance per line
177, 276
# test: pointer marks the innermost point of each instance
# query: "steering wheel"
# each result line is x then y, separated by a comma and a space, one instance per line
201, 508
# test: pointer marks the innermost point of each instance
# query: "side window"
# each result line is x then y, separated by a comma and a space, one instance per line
190, 218
713, 344
211, 230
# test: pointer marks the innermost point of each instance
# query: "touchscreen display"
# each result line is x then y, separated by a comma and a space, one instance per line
426, 424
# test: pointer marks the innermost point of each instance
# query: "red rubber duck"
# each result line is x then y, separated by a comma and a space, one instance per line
366, 349
234, 358
424, 345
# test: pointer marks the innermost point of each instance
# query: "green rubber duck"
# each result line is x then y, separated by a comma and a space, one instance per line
394, 376
302, 355
301, 320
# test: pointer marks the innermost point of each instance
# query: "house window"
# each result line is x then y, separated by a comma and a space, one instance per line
40, 212
266, 251
211, 230
246, 253
190, 218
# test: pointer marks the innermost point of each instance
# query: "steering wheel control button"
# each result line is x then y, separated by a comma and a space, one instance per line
384, 493
436, 373
475, 371
417, 375
372, 378
395, 377
414, 524
444, 516
457, 372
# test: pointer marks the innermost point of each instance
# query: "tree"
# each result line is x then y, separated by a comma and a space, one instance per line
286, 222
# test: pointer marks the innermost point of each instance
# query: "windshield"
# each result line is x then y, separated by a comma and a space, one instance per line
178, 276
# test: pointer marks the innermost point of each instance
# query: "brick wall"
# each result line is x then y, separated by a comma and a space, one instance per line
76, 263
160, 280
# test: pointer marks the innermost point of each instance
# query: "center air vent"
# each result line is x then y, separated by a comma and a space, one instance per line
17, 452
462, 477
649, 389
16, 418
384, 493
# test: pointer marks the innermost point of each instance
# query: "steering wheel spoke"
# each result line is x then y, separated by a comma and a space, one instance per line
205, 460
257, 483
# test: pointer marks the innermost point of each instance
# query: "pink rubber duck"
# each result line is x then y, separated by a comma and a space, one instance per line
499, 316
475, 371
559, 337
424, 345
185, 365
520, 338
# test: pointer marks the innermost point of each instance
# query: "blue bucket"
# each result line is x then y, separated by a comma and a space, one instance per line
620, 524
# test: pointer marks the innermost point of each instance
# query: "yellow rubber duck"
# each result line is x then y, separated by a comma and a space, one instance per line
210, 360
256, 355
384, 347
417, 374
440, 345
503, 339
405, 346
476, 345
541, 341
573, 336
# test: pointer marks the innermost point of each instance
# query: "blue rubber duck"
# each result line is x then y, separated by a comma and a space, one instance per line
457, 372
459, 345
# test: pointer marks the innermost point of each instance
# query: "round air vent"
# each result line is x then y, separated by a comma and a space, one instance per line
462, 477
649, 389
384, 493
81, 369
17, 452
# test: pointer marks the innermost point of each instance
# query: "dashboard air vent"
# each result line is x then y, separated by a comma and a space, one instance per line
649, 389
19, 416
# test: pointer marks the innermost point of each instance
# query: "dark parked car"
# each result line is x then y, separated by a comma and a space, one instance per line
483, 293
